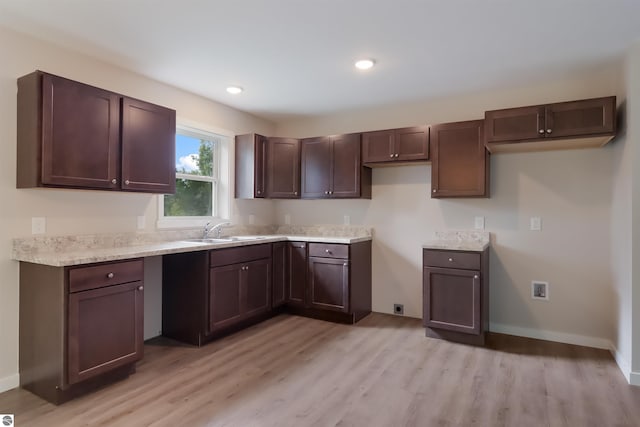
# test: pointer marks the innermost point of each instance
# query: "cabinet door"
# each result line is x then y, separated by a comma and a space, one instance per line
316, 168
80, 135
459, 164
280, 277
148, 147
587, 117
515, 124
250, 166
329, 284
377, 146
105, 330
345, 179
411, 144
260, 166
225, 296
256, 284
283, 168
452, 300
297, 273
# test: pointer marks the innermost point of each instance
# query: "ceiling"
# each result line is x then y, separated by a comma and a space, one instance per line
295, 57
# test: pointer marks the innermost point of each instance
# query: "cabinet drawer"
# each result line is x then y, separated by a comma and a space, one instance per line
98, 276
451, 259
219, 257
328, 250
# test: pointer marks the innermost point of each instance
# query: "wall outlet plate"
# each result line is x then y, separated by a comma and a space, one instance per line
478, 223
535, 223
38, 225
540, 290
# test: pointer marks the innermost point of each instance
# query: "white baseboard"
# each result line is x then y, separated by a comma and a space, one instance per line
540, 334
7, 383
623, 364
634, 378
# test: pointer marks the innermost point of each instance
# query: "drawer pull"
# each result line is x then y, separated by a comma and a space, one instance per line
450, 259
476, 277
110, 275
327, 251
140, 288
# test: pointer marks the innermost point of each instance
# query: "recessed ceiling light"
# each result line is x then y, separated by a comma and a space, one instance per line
234, 90
365, 64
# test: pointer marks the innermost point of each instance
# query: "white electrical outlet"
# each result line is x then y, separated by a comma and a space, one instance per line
347, 220
535, 223
478, 223
142, 222
252, 219
540, 290
38, 225
287, 219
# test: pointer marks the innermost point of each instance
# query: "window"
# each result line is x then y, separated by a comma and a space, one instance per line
198, 185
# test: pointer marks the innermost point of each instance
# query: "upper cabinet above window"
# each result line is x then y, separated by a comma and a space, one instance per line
395, 145
78, 136
563, 125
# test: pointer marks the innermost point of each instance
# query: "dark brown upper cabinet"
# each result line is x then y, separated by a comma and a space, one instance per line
283, 168
459, 160
332, 168
251, 166
563, 125
395, 145
78, 136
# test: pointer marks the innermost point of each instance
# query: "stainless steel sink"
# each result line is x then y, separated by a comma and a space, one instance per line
226, 239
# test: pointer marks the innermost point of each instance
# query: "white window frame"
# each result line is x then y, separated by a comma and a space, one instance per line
220, 186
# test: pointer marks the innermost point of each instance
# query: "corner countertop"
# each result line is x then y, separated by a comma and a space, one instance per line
61, 251
471, 241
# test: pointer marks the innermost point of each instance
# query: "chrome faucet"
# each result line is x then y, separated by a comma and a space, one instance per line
216, 229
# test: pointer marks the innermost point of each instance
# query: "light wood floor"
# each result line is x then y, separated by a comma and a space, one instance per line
294, 371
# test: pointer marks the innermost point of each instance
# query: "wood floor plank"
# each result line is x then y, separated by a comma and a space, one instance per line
295, 371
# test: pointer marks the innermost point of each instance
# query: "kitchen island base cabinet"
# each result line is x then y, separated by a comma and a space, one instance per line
456, 295
80, 327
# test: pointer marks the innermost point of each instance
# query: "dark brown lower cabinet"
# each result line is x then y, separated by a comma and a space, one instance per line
456, 295
208, 293
279, 282
337, 285
80, 327
329, 284
296, 280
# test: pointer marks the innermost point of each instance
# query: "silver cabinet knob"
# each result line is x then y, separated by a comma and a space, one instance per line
259, 191
434, 190
548, 130
541, 131
140, 288
396, 156
126, 182
114, 181
110, 275
476, 276
295, 193
330, 192
345, 264
391, 155
450, 259
326, 192
327, 251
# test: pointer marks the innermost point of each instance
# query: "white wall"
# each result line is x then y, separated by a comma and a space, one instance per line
633, 138
75, 211
570, 190
621, 242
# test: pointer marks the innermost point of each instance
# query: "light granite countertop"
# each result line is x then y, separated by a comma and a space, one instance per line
472, 241
61, 251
